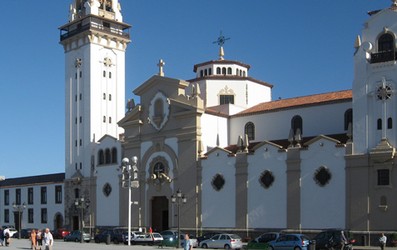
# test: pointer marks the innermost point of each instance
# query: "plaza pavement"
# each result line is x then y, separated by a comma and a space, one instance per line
61, 245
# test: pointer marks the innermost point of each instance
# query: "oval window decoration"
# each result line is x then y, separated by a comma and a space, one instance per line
266, 179
107, 189
218, 182
322, 176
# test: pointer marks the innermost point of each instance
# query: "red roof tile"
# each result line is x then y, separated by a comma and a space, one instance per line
339, 96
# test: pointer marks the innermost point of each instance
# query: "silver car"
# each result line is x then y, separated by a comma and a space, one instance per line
226, 241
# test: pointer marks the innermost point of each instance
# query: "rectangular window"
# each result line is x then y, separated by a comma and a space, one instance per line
6, 216
44, 215
383, 177
58, 194
110, 74
6, 197
43, 195
30, 196
81, 73
18, 196
104, 73
226, 99
30, 215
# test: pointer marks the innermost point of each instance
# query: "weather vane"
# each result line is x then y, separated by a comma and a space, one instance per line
221, 40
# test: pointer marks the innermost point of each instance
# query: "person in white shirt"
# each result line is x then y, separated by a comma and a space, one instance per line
48, 240
382, 241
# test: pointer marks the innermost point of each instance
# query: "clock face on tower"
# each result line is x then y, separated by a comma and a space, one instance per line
159, 110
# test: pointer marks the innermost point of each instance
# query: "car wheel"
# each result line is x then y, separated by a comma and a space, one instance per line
116, 241
76, 240
204, 246
226, 246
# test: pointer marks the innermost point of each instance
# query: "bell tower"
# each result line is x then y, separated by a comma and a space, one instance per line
94, 40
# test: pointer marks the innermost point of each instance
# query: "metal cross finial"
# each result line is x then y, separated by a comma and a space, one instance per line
394, 2
161, 65
221, 39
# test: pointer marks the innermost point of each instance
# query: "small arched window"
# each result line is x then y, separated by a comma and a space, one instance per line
218, 71
297, 123
249, 130
348, 118
101, 157
108, 158
379, 124
205, 72
389, 123
114, 155
386, 43
209, 71
223, 71
201, 73
229, 71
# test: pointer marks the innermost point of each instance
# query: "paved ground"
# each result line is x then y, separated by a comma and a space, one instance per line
61, 245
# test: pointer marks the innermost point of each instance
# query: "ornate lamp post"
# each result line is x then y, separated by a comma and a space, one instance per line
81, 204
19, 209
178, 198
129, 179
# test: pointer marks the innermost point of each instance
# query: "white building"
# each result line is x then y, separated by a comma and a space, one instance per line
33, 202
244, 162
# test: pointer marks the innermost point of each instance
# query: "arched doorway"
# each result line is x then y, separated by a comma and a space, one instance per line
58, 221
160, 213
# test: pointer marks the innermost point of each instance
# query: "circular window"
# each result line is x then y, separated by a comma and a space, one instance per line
266, 179
107, 189
384, 92
322, 176
218, 182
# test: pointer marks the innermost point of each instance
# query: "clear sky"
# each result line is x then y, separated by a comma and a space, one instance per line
301, 47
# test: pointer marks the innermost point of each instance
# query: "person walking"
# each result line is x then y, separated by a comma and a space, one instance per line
33, 239
188, 244
382, 241
7, 238
48, 240
39, 238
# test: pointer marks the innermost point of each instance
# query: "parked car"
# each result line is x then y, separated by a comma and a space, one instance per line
333, 239
134, 234
226, 241
76, 236
25, 233
60, 233
262, 241
147, 239
207, 236
290, 242
12, 231
103, 236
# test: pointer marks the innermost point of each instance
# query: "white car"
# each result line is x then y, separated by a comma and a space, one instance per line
226, 241
11, 231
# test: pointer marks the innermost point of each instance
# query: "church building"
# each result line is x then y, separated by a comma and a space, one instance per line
241, 161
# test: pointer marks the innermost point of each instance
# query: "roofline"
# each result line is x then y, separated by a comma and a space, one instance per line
220, 62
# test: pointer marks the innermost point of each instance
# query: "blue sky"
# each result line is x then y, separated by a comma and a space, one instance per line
301, 47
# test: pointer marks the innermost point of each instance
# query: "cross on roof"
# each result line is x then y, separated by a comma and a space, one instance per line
394, 2
221, 39
161, 65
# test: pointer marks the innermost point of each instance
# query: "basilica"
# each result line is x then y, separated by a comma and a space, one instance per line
215, 152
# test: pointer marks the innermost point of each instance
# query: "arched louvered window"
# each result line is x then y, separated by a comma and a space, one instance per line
386, 43
348, 118
249, 130
296, 122
114, 155
101, 157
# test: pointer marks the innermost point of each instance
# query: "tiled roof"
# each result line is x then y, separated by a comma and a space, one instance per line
319, 99
33, 180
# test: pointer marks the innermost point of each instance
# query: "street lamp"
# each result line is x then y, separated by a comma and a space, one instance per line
19, 209
178, 198
129, 179
81, 203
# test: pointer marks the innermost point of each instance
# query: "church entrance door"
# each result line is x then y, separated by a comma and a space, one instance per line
160, 213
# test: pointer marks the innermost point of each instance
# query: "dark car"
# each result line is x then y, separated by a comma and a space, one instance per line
60, 233
104, 236
76, 236
333, 239
262, 242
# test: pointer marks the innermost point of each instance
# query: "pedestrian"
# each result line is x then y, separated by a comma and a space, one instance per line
39, 238
7, 238
48, 240
33, 239
1, 237
188, 243
382, 241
